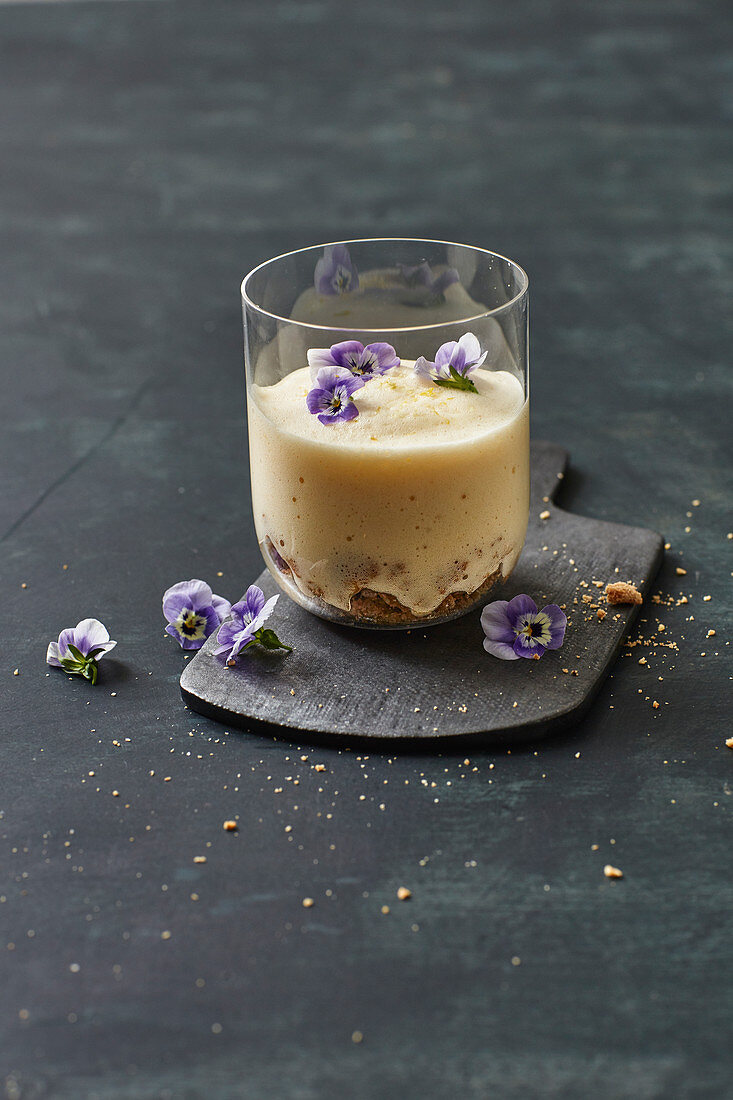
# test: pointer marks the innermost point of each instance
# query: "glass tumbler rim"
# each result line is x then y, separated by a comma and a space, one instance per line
523, 278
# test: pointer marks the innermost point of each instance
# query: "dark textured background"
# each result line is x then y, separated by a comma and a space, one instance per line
152, 153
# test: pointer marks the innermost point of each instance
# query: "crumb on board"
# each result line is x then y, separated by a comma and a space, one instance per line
729, 742
612, 872
545, 514
403, 893
230, 826
199, 859
621, 592
308, 903
601, 614
320, 767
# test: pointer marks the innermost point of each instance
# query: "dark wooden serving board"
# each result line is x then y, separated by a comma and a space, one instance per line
439, 681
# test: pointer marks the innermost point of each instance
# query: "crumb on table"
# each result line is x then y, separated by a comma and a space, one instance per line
623, 593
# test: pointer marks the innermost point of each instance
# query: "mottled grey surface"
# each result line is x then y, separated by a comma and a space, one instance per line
152, 154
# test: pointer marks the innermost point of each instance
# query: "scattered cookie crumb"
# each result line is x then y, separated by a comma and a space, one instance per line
680, 571
622, 593
545, 514
357, 1037
199, 859
320, 767
601, 614
385, 910
308, 903
165, 935
612, 872
655, 704
729, 742
403, 893
16, 672
230, 826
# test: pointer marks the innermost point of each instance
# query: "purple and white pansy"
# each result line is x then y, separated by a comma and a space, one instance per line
335, 273
193, 612
79, 648
515, 628
431, 287
454, 362
365, 362
331, 397
246, 626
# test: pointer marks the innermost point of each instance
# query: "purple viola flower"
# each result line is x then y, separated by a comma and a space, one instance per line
364, 362
330, 398
78, 650
454, 362
335, 273
245, 627
421, 276
515, 628
193, 612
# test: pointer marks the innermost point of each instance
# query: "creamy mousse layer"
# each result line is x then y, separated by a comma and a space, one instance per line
424, 495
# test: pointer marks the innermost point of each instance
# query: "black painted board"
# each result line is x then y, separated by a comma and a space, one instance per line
439, 682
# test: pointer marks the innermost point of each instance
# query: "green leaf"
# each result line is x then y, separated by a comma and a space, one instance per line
77, 653
71, 665
269, 640
80, 666
456, 381
90, 671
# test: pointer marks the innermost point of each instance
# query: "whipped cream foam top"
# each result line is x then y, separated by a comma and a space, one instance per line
398, 410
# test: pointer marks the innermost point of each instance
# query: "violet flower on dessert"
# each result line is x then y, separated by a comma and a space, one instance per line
515, 628
193, 612
454, 362
245, 627
78, 650
335, 273
330, 399
364, 362
421, 276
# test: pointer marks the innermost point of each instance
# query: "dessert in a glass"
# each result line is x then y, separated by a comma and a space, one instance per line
387, 398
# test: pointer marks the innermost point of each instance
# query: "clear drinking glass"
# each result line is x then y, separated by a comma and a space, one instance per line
404, 502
